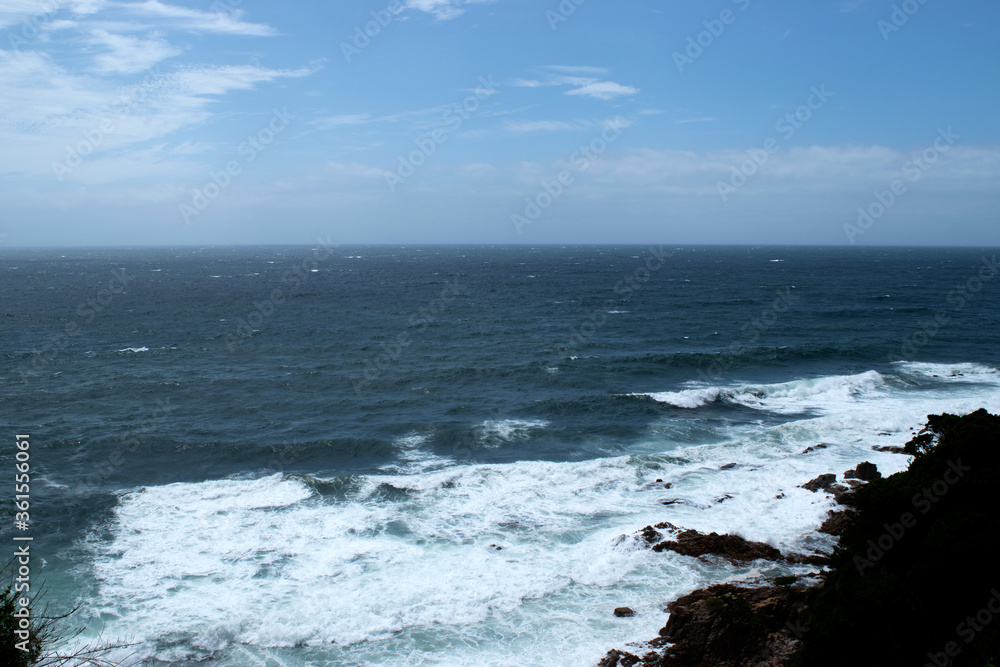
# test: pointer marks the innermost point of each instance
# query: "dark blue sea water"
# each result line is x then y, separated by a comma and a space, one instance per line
309, 455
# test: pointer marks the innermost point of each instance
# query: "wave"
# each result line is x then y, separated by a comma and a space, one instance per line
414, 456
954, 372
473, 552
795, 397
495, 432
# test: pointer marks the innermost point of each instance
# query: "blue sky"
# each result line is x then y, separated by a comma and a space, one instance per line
499, 121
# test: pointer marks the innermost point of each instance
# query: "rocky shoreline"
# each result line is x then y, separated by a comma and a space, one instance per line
726, 625
919, 576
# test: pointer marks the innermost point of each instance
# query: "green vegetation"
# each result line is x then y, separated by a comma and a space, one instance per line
35, 645
915, 579
10, 654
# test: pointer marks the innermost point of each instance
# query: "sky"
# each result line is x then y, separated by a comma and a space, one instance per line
170, 122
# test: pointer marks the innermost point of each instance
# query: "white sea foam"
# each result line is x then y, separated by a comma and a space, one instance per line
134, 350
404, 569
793, 397
495, 432
960, 372
414, 456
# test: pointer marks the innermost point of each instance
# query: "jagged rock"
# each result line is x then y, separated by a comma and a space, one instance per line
780, 496
728, 626
808, 559
843, 493
887, 448
666, 525
733, 548
722, 499
650, 535
866, 472
616, 658
810, 450
821, 482
729, 466
624, 612
836, 522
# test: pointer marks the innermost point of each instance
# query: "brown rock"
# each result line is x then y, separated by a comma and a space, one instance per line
728, 626
808, 559
650, 535
616, 658
844, 495
733, 548
866, 472
891, 450
821, 482
836, 522
624, 611
810, 450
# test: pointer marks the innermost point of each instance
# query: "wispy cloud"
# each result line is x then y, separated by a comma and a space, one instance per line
47, 108
603, 90
444, 9
198, 21
524, 127
343, 119
127, 54
587, 81
539, 126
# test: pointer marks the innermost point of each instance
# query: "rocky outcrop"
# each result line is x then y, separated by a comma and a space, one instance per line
869, 609
821, 482
733, 548
837, 522
844, 493
866, 472
726, 626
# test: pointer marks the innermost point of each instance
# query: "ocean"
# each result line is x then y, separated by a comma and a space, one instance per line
437, 455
